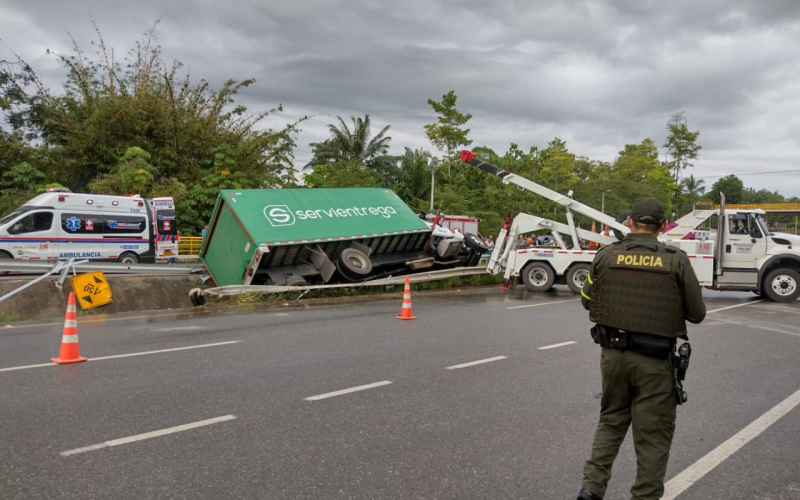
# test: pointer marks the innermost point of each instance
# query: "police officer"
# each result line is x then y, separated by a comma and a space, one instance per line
640, 293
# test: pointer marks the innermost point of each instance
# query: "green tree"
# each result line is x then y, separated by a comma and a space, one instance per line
18, 184
356, 148
731, 186
682, 146
415, 178
447, 134
109, 106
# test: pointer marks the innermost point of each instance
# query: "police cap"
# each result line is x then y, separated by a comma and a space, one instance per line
648, 211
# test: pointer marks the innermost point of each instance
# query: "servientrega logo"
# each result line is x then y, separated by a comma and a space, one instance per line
282, 215
279, 215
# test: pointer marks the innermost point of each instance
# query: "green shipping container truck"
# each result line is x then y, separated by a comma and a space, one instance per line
317, 236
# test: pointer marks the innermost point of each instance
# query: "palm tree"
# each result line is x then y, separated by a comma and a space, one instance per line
693, 189
357, 146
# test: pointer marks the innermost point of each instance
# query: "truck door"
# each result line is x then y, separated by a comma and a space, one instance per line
745, 243
33, 236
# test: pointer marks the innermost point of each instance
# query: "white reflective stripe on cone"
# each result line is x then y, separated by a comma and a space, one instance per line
406, 306
71, 308
69, 339
70, 323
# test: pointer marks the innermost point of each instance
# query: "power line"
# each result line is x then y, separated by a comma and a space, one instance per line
753, 173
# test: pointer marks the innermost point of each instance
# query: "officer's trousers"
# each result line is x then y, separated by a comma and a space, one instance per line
637, 390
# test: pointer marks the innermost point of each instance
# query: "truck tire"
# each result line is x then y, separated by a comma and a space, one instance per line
353, 264
576, 277
196, 296
474, 243
782, 285
622, 218
538, 277
296, 281
128, 258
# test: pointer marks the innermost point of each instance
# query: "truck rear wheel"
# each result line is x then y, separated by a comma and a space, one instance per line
538, 277
576, 277
782, 285
353, 264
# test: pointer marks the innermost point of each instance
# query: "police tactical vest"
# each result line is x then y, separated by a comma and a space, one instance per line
638, 291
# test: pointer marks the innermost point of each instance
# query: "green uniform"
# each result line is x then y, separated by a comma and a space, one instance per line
638, 285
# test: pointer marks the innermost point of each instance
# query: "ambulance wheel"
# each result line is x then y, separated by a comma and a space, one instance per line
538, 277
782, 285
128, 258
576, 277
474, 243
6, 255
354, 264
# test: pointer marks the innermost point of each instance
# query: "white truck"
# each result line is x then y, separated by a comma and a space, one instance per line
747, 258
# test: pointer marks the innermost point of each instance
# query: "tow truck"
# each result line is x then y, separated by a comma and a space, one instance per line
747, 259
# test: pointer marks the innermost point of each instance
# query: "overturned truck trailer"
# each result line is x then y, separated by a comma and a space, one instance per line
298, 237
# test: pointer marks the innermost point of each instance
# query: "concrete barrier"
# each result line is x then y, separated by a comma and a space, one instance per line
129, 293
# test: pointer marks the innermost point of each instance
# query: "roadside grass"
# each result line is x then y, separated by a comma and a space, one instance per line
6, 316
356, 291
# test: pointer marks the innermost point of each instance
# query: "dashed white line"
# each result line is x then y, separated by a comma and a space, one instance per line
348, 391
101, 358
473, 363
147, 435
696, 471
163, 350
562, 344
737, 305
543, 304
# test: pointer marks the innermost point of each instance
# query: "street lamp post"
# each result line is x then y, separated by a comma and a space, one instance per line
603, 202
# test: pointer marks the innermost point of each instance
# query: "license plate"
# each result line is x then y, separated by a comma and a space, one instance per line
167, 253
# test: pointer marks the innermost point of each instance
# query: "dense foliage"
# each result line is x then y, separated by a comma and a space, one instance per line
142, 126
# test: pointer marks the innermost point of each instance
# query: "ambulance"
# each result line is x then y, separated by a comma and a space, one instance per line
60, 225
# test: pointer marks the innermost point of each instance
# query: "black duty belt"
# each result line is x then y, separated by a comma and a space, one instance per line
647, 344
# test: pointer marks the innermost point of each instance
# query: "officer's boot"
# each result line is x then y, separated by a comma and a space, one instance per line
588, 495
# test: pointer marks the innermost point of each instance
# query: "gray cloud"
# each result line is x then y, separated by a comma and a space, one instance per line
599, 74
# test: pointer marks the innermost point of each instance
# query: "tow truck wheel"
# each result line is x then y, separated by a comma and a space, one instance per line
128, 258
538, 277
353, 264
474, 243
622, 218
782, 285
576, 277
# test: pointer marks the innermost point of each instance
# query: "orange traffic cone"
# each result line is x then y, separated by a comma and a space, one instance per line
69, 341
405, 312
593, 244
607, 230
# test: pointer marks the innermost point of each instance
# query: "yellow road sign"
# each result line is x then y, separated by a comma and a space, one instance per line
92, 289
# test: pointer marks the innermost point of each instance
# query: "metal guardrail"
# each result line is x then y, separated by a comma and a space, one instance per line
231, 290
35, 267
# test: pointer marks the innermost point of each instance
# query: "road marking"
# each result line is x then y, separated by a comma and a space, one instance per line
473, 363
556, 345
147, 435
696, 471
178, 328
347, 391
544, 304
737, 305
125, 355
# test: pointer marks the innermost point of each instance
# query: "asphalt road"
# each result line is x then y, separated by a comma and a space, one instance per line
487, 395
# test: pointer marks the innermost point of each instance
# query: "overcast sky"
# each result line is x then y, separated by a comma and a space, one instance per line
598, 74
